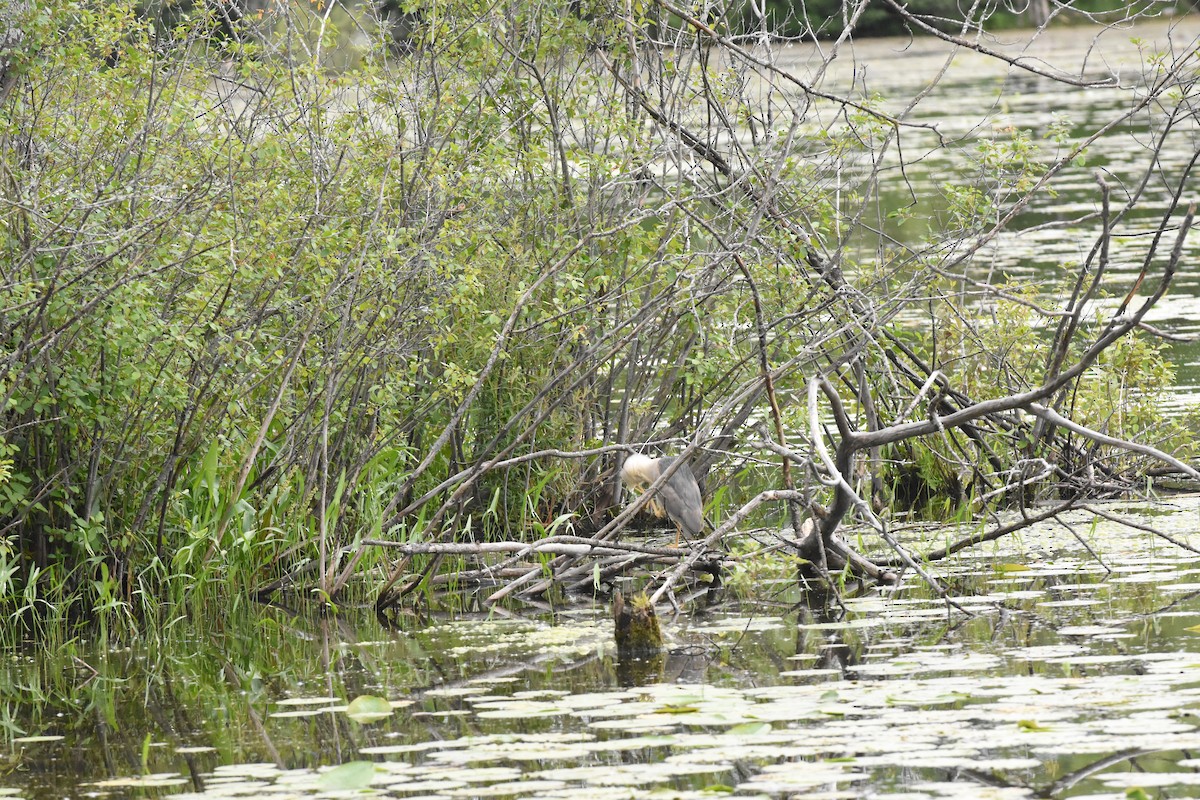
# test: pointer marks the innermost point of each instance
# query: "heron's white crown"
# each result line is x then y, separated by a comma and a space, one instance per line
638, 470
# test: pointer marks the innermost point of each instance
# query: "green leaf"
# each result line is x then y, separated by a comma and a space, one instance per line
1031, 725
210, 471
368, 708
349, 776
750, 729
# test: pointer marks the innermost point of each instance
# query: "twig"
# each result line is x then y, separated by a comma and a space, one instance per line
1140, 527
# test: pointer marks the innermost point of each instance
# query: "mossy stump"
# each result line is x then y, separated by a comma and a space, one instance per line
636, 629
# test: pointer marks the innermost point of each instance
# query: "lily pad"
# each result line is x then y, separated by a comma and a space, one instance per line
348, 777
368, 708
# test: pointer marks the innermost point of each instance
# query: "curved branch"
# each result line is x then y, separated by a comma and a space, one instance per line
1018, 61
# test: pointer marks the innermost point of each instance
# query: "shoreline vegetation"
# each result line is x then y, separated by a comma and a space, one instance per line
380, 329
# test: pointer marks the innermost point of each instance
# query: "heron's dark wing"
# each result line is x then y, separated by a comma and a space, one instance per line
682, 498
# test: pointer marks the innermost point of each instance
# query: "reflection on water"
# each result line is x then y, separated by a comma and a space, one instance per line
1069, 677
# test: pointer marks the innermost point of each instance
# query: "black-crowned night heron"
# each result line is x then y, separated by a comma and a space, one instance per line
679, 498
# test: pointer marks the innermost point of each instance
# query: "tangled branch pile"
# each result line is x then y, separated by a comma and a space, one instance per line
272, 299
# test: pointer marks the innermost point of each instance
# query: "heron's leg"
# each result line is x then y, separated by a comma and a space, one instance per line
656, 507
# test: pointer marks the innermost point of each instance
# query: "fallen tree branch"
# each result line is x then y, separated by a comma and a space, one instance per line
1055, 418
567, 545
988, 536
1099, 512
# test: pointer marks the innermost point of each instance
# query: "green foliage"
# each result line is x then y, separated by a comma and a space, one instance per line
919, 475
253, 292
753, 568
999, 347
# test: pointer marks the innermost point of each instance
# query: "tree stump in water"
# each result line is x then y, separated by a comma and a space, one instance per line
636, 630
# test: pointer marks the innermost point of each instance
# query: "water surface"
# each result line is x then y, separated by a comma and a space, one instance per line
1060, 676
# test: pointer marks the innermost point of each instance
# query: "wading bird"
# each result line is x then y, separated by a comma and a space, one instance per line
678, 499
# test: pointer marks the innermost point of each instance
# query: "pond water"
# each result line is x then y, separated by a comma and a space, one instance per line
980, 98
1063, 676
1060, 676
